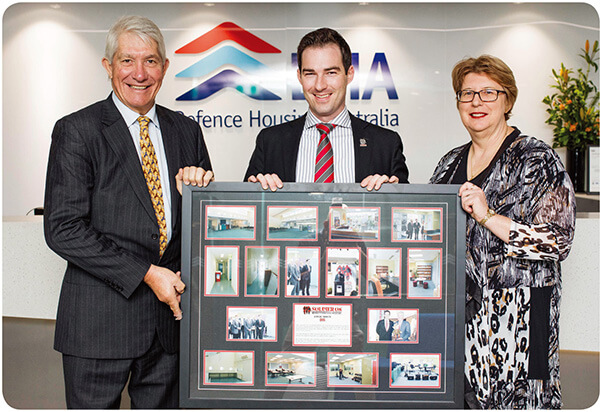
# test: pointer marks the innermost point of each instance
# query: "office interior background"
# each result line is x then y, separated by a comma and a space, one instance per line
403, 53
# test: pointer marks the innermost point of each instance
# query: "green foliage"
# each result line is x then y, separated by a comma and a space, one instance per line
574, 107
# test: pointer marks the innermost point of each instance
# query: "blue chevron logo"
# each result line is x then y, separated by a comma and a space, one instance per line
227, 55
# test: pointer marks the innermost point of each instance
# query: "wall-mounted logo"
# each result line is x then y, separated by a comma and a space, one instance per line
227, 55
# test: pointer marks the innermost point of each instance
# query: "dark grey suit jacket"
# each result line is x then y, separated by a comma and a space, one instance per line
99, 217
377, 151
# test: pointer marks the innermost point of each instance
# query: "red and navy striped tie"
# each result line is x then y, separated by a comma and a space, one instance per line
324, 158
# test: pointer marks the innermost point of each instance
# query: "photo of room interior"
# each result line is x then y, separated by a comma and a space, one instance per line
353, 369
424, 277
384, 270
251, 323
302, 271
416, 370
221, 270
401, 325
348, 223
417, 224
292, 223
262, 271
290, 368
230, 222
343, 272
228, 368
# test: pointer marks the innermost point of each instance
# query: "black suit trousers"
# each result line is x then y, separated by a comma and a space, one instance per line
98, 383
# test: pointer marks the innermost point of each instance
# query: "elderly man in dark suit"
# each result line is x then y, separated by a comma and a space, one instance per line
327, 144
112, 210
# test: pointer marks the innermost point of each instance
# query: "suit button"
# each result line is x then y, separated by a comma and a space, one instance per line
155, 236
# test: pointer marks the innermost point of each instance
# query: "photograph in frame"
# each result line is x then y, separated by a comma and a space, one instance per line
290, 369
353, 370
262, 271
417, 224
424, 273
228, 368
393, 325
355, 223
384, 273
230, 222
415, 370
302, 272
245, 323
343, 272
221, 270
292, 223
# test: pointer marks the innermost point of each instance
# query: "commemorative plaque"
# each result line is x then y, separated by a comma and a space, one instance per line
322, 296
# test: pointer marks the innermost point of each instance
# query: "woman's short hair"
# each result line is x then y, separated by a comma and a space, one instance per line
321, 38
491, 66
141, 26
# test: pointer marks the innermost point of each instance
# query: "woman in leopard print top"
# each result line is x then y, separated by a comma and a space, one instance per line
522, 218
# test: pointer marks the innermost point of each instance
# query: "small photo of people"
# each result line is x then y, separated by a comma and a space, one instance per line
424, 277
393, 325
416, 225
230, 222
228, 368
355, 223
353, 369
292, 223
384, 273
343, 272
415, 370
252, 323
302, 272
290, 369
221, 270
262, 266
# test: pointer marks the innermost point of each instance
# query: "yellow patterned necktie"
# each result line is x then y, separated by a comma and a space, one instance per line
150, 167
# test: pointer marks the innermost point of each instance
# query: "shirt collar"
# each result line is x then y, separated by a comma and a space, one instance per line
131, 116
342, 119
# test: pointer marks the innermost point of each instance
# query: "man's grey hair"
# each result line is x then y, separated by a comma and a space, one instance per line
145, 28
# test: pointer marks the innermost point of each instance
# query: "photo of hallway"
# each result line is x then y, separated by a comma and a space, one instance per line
228, 368
353, 369
262, 271
424, 277
290, 369
292, 223
230, 222
221, 270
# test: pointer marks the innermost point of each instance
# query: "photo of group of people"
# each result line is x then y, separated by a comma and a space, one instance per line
417, 224
252, 323
393, 325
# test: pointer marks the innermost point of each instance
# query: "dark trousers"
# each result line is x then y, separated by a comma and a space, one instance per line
98, 383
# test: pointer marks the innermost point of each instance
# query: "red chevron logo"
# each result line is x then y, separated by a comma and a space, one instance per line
227, 31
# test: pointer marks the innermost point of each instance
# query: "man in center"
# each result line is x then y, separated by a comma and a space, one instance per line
327, 144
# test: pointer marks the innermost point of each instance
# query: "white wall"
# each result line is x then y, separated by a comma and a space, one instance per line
51, 67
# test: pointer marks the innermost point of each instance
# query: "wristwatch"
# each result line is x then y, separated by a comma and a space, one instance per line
490, 213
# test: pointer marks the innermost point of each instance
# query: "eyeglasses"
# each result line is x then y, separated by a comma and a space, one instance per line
486, 95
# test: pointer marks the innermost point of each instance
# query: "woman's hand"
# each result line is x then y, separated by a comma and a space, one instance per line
475, 204
473, 201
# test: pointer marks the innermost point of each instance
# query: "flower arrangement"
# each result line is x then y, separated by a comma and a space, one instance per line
574, 109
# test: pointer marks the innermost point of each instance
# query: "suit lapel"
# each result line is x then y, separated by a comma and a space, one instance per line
118, 136
362, 148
